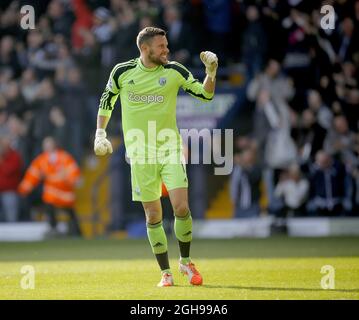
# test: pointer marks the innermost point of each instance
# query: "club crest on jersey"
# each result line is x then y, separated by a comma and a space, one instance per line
162, 81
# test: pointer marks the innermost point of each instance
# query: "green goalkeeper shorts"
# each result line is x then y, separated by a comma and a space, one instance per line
146, 179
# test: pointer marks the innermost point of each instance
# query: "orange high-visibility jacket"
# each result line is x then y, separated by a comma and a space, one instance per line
59, 172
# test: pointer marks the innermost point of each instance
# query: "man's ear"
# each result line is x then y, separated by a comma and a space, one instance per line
144, 47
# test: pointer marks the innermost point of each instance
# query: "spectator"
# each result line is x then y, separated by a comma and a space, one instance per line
87, 58
73, 102
328, 186
245, 185
34, 42
311, 136
15, 101
10, 176
19, 137
178, 31
322, 112
44, 25
39, 125
42, 91
272, 12
272, 131
254, 43
280, 87
51, 57
8, 56
5, 76
60, 128
60, 19
83, 23
293, 190
103, 28
218, 25
340, 140
127, 30
145, 21
355, 209
59, 173
297, 60
347, 91
271, 91
29, 85
345, 45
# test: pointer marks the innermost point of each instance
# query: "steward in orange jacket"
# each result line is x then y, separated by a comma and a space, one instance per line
59, 173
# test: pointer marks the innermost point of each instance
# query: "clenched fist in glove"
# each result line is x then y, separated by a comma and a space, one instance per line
102, 145
210, 60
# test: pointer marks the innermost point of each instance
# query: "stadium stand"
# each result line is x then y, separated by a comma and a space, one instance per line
295, 113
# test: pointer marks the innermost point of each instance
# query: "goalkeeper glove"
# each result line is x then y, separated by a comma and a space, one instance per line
102, 145
210, 60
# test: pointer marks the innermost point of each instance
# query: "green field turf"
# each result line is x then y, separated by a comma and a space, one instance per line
274, 268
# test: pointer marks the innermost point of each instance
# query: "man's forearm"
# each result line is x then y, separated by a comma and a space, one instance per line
102, 122
210, 61
209, 85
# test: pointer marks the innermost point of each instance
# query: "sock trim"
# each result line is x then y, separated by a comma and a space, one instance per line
185, 260
154, 225
166, 271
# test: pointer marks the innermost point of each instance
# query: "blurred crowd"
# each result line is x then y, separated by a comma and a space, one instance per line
51, 77
303, 148
302, 82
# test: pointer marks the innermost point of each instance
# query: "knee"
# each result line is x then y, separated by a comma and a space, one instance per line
181, 209
153, 217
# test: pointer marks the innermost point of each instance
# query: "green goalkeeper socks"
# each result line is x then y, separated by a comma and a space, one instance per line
157, 237
183, 231
183, 228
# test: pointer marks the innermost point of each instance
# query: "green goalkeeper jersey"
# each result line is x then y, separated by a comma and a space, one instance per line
148, 104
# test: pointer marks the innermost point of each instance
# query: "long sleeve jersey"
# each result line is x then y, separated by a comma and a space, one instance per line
148, 104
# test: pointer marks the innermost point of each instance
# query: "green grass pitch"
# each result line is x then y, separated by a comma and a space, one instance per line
273, 268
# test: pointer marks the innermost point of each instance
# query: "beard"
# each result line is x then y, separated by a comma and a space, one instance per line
156, 60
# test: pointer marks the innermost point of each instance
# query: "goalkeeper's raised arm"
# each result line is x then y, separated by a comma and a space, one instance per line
210, 60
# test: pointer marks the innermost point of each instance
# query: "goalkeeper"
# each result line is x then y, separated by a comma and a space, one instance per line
148, 88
